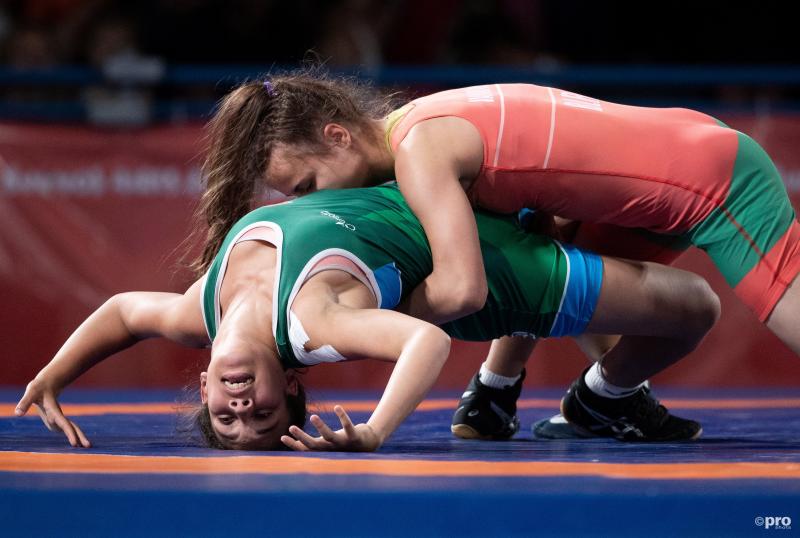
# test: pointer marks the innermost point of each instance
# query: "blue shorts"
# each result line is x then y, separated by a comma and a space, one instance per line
581, 292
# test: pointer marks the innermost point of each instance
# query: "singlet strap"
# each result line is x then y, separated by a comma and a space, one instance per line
341, 263
261, 233
392, 120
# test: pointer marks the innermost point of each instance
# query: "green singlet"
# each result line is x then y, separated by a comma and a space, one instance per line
375, 229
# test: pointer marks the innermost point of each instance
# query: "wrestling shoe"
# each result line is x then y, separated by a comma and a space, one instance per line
638, 417
557, 427
487, 413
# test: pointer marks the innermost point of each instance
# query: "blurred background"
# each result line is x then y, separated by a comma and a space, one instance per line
102, 107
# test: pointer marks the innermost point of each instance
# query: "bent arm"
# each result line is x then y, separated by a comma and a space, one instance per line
418, 348
430, 164
122, 321
420, 358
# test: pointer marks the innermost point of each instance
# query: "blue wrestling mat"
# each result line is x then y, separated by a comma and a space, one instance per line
141, 478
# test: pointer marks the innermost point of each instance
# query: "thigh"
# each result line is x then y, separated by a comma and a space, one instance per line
753, 236
648, 299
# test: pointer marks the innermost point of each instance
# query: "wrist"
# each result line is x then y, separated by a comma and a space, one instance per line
378, 434
47, 380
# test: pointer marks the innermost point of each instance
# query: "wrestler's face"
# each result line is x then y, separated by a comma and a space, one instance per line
247, 400
245, 415
337, 164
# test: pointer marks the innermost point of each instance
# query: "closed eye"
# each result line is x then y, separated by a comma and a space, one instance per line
226, 420
306, 186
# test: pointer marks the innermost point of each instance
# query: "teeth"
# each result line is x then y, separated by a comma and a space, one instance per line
238, 385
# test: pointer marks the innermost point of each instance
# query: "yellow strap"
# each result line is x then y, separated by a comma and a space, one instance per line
392, 120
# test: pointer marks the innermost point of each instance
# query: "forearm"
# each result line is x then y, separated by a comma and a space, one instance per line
437, 301
428, 175
101, 335
413, 376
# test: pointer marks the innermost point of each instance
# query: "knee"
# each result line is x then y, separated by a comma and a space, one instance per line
703, 308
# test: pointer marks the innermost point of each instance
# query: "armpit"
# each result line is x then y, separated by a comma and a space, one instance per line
298, 338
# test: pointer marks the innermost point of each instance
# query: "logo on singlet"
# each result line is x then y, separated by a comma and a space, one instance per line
577, 100
339, 220
480, 94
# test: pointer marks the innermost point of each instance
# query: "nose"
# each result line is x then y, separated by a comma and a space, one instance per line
240, 404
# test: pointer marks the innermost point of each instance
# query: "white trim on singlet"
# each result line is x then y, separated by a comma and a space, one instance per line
366, 276
203, 305
305, 274
502, 124
566, 286
358, 275
552, 127
223, 266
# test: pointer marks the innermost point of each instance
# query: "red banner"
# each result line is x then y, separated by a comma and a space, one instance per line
87, 213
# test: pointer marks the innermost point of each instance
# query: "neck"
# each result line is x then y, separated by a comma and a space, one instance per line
247, 288
379, 157
249, 317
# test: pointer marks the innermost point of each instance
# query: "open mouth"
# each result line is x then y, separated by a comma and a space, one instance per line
237, 381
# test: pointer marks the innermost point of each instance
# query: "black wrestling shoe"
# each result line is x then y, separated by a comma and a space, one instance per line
638, 417
557, 427
487, 413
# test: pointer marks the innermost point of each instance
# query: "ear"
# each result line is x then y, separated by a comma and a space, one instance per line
292, 383
203, 387
337, 135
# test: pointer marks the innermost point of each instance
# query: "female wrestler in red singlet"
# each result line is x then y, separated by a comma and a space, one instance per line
662, 179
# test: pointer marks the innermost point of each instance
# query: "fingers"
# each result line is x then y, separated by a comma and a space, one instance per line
44, 417
63, 424
323, 429
54, 419
347, 424
84, 441
24, 403
312, 443
293, 443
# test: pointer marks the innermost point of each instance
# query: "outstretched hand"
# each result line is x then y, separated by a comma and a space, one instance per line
351, 438
45, 398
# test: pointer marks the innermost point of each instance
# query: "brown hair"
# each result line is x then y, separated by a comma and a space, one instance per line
291, 109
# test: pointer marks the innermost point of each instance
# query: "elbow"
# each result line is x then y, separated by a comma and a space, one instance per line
441, 343
116, 303
463, 292
478, 296
454, 296
120, 304
444, 341
470, 297
435, 342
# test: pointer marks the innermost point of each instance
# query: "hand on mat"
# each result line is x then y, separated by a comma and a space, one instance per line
45, 399
351, 438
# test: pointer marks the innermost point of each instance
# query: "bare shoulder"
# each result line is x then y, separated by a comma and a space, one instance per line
447, 131
448, 139
184, 317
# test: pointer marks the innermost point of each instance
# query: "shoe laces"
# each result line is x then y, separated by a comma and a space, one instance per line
647, 408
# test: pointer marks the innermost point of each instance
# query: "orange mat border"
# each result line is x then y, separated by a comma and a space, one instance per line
160, 408
32, 462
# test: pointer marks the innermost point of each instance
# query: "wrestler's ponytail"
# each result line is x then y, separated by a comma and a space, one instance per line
236, 144
288, 109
